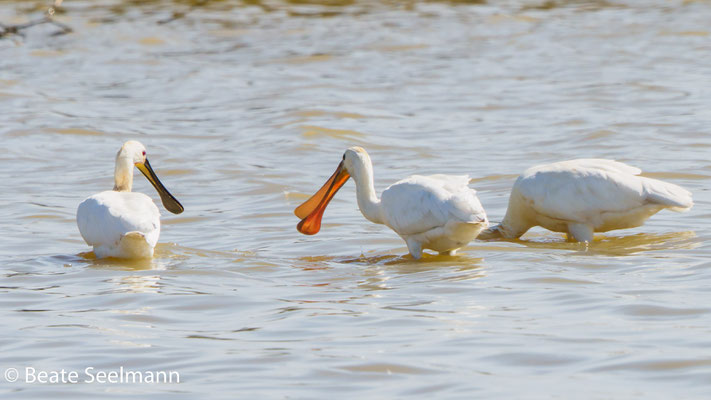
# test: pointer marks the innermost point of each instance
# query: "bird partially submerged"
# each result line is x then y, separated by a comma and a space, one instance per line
120, 223
580, 197
438, 212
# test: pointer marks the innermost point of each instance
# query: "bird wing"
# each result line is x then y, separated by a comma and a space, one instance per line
421, 203
105, 217
600, 164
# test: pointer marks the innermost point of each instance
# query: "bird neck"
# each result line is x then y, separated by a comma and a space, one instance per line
123, 174
368, 200
516, 221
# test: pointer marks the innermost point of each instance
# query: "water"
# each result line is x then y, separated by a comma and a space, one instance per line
246, 109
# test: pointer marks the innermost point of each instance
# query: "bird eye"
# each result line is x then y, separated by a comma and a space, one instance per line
144, 153
344, 156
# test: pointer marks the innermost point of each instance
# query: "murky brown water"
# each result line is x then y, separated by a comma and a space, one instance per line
246, 110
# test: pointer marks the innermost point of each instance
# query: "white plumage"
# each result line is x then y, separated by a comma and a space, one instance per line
438, 212
119, 223
579, 197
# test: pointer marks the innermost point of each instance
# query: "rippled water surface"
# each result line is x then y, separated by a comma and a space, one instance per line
246, 108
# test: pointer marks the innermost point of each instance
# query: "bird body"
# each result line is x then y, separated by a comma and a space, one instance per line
120, 223
580, 197
438, 212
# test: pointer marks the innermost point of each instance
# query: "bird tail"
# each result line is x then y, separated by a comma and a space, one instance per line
674, 197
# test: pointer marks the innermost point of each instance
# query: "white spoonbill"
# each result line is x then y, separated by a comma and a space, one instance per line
122, 224
579, 197
438, 212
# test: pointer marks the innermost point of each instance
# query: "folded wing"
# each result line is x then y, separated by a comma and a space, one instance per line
420, 203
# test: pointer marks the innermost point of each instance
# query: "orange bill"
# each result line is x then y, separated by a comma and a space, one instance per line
311, 211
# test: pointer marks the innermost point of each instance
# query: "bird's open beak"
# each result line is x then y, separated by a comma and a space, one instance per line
169, 202
312, 210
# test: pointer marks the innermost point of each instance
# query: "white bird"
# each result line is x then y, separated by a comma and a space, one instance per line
438, 212
579, 197
122, 224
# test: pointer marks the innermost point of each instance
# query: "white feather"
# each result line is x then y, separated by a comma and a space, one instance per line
119, 224
420, 203
591, 195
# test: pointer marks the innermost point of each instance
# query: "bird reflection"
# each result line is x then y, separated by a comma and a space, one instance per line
609, 245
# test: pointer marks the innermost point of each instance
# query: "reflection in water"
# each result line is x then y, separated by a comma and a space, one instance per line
155, 263
377, 272
138, 283
428, 261
610, 245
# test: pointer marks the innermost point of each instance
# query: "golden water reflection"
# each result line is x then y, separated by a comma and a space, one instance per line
606, 245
